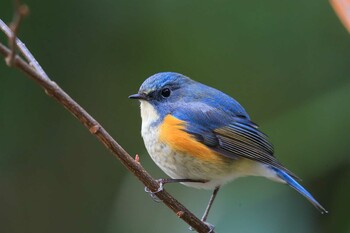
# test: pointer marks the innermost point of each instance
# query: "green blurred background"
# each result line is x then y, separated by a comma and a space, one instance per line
287, 62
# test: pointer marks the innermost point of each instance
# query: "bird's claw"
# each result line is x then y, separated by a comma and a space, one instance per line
152, 194
211, 227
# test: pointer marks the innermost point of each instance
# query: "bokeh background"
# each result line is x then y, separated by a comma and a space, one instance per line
287, 62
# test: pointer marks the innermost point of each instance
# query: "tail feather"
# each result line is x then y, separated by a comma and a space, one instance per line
295, 185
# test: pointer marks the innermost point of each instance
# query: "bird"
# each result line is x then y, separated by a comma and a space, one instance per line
202, 138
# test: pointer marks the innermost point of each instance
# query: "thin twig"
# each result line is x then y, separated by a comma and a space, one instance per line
20, 12
53, 90
23, 49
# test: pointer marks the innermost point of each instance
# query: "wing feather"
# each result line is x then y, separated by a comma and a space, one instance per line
230, 135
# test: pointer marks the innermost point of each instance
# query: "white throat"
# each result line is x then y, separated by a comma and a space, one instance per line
149, 115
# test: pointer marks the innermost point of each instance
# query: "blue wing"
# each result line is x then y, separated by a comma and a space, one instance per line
229, 134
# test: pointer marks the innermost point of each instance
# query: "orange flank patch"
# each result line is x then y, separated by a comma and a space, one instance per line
172, 133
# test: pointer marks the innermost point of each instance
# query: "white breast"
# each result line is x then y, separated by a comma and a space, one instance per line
149, 131
159, 151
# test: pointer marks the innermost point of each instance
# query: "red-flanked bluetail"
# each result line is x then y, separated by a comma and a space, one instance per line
203, 138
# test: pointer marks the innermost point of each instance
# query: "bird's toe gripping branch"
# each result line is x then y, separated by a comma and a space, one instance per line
152, 193
162, 182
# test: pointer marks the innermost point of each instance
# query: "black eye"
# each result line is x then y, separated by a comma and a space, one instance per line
166, 92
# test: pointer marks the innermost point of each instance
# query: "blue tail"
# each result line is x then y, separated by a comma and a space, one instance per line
295, 185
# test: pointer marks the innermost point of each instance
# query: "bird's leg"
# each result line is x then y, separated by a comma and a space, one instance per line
162, 182
206, 212
212, 198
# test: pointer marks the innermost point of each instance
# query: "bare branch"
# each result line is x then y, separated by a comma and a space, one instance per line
34, 71
23, 49
52, 89
20, 12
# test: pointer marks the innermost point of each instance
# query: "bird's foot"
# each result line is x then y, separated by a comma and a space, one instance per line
162, 182
152, 194
211, 227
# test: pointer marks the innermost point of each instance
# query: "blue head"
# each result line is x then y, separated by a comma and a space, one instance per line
168, 91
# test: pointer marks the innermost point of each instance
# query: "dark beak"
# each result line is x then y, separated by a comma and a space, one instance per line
138, 96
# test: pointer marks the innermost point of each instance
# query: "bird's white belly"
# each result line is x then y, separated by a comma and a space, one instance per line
179, 165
